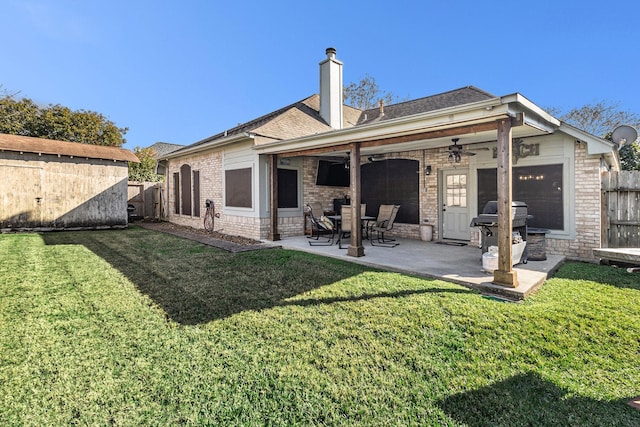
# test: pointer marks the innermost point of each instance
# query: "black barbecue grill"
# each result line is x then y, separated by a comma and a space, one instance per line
488, 223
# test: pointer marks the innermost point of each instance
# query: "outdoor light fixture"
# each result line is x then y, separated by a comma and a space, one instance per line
427, 170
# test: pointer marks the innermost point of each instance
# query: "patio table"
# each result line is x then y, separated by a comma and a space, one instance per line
363, 218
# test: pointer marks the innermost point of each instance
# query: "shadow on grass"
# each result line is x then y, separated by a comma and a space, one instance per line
195, 284
312, 301
529, 400
606, 275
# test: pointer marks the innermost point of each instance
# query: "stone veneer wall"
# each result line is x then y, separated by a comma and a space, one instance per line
587, 207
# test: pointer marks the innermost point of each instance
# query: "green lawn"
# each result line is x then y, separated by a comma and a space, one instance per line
136, 327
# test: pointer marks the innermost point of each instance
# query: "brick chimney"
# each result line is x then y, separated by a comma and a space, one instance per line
331, 90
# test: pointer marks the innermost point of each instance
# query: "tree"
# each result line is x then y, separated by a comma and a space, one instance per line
630, 157
366, 94
600, 119
145, 171
24, 117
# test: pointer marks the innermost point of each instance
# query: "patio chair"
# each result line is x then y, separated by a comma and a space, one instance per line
345, 225
384, 222
320, 226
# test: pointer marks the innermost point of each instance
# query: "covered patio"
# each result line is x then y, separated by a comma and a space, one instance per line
498, 119
453, 263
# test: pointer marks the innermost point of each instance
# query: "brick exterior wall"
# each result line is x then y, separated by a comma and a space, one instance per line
428, 187
210, 166
318, 193
211, 187
587, 200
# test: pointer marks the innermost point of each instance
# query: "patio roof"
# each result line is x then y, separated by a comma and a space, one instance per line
475, 122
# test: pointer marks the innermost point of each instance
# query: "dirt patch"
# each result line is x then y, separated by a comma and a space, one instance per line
182, 229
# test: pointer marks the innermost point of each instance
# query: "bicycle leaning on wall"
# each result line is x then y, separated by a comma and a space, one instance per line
209, 216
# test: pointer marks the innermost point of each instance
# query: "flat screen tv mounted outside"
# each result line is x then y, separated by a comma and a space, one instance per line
333, 174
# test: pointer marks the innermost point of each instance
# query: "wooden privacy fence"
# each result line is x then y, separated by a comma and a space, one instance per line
148, 199
621, 209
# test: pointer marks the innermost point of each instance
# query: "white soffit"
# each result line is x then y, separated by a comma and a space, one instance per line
595, 145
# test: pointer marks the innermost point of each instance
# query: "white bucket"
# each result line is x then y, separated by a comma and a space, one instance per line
426, 232
490, 259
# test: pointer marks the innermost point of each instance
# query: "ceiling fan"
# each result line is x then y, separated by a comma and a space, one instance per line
344, 161
457, 151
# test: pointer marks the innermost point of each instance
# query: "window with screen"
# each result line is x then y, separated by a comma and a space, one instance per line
540, 187
392, 182
196, 193
186, 191
238, 192
176, 193
287, 188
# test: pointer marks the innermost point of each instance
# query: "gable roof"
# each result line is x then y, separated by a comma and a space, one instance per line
295, 120
303, 118
29, 144
452, 98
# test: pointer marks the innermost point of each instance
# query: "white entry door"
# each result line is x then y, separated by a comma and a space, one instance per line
455, 211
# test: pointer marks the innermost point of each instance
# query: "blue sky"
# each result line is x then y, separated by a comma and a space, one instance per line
180, 71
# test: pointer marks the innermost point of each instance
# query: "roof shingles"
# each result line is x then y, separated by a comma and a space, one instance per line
303, 118
452, 98
29, 144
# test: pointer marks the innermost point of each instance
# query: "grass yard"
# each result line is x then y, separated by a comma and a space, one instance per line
136, 327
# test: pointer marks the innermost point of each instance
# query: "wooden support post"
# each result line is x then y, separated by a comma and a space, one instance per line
355, 247
505, 275
273, 198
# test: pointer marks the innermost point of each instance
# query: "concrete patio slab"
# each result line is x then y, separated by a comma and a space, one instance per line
458, 264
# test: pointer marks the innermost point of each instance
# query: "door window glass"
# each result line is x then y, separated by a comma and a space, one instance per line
457, 190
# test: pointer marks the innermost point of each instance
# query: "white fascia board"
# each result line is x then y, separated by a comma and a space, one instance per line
595, 145
208, 145
478, 112
521, 103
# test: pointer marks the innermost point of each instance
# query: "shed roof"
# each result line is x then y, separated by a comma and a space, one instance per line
49, 146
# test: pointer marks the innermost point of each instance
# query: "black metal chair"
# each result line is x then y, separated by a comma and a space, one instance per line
320, 226
384, 222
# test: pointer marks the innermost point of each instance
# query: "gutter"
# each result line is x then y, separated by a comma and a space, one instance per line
517, 98
595, 146
490, 109
208, 145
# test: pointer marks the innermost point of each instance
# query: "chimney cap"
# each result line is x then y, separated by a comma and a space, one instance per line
331, 52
